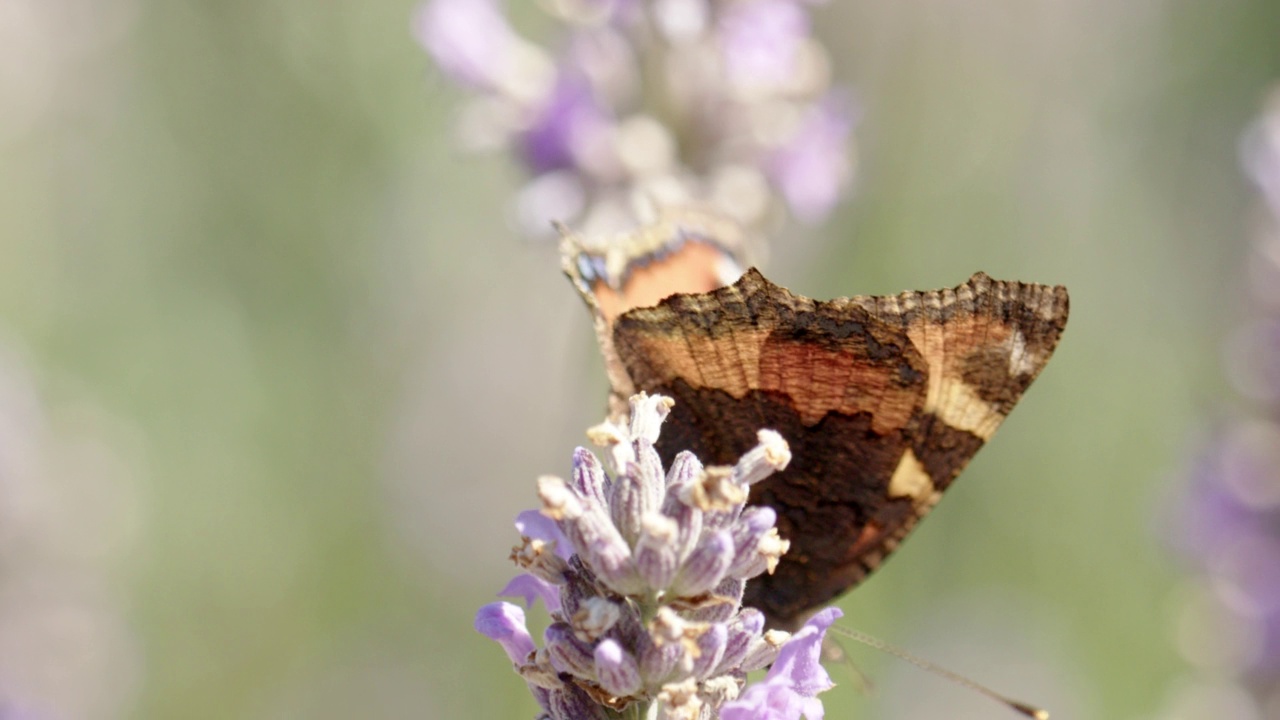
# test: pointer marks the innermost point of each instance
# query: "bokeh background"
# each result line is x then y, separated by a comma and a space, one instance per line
277, 369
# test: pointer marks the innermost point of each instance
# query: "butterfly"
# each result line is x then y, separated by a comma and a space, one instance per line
883, 399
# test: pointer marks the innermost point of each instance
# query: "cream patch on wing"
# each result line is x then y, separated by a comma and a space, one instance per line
949, 397
960, 407
911, 480
1022, 362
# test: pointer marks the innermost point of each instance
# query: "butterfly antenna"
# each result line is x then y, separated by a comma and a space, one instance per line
1030, 711
833, 651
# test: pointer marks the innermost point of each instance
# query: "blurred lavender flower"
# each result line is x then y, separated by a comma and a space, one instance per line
643, 571
1228, 528
723, 104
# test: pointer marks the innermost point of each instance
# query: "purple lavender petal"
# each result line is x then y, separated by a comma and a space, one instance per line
467, 38
534, 525
800, 658
771, 699
760, 40
1211, 516
568, 118
531, 588
811, 169
504, 622
789, 690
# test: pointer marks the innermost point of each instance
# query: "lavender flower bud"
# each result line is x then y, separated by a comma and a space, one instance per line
721, 604
668, 628
711, 647
706, 566
571, 703
655, 556
647, 414
764, 650
637, 492
567, 652
743, 632
560, 502
605, 551
756, 544
770, 455
593, 535
616, 670
658, 661
588, 476
615, 439
685, 469
655, 484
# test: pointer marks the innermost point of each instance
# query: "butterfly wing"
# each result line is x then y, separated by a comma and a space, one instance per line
883, 400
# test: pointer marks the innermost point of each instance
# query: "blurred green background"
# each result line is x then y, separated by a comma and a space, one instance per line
241, 231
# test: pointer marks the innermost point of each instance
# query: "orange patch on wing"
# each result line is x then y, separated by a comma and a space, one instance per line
693, 268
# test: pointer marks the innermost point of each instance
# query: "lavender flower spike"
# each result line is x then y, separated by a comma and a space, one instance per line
650, 567
725, 106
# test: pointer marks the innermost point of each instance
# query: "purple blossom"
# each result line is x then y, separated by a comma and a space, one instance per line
790, 689
685, 103
761, 41
567, 122
649, 596
1229, 521
535, 525
812, 168
532, 588
469, 39
504, 623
